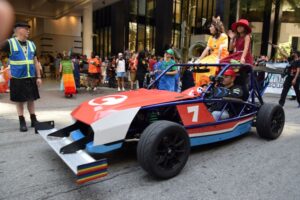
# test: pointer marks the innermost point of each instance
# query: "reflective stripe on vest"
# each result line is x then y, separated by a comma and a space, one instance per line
21, 62
14, 44
22, 65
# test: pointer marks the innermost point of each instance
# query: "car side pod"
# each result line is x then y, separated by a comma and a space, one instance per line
85, 167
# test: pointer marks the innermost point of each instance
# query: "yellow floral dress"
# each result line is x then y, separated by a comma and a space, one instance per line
214, 45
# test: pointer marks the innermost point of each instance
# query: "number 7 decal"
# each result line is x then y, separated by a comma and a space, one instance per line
195, 111
194, 114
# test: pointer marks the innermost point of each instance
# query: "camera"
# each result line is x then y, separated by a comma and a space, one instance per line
286, 71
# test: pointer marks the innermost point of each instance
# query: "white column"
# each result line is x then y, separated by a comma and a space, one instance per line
87, 29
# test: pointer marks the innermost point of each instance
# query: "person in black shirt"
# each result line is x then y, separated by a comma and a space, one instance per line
142, 68
292, 79
228, 89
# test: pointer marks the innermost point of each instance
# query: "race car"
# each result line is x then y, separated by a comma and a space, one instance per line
164, 124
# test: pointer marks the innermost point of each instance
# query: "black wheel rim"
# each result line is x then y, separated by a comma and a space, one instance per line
277, 122
171, 151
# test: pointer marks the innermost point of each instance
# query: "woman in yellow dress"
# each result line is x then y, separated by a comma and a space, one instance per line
216, 49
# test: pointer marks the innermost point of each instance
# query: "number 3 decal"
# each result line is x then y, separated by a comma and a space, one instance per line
195, 111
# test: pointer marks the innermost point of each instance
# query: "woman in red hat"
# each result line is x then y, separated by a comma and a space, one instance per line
240, 43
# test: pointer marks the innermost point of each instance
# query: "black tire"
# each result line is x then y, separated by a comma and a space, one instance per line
270, 121
163, 149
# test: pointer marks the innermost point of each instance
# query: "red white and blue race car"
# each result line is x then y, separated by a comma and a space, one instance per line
164, 124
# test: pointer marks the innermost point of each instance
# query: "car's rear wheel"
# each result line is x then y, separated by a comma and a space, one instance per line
163, 149
270, 121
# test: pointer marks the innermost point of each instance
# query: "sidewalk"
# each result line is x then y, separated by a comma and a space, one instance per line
51, 106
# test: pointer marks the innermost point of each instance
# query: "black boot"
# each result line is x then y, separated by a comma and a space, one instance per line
23, 127
33, 120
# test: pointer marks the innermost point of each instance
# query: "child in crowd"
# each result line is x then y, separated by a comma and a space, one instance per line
68, 82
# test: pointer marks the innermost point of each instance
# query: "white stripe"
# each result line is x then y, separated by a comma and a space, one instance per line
113, 127
220, 131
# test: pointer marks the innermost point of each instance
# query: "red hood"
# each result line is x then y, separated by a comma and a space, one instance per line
95, 109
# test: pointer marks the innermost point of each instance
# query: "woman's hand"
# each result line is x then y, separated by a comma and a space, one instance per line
242, 61
231, 34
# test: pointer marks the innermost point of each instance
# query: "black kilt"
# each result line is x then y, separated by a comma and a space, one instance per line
22, 90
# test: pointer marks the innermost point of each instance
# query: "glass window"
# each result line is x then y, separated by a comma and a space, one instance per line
109, 42
256, 43
203, 12
105, 41
132, 36
199, 13
141, 37
178, 11
290, 11
133, 7
150, 39
176, 38
252, 10
142, 7
150, 8
101, 47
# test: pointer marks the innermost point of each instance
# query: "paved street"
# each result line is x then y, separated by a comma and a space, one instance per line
244, 168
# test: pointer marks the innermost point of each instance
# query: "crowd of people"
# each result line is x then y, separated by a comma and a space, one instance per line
139, 68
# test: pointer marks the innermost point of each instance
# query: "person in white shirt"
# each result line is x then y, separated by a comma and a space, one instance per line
121, 71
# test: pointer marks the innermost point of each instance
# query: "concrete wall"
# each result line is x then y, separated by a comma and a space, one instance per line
289, 30
68, 25
53, 36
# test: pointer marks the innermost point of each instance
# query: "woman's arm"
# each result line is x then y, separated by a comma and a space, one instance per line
204, 53
232, 37
246, 48
172, 72
60, 67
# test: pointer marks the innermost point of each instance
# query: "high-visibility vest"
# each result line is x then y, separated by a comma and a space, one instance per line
21, 65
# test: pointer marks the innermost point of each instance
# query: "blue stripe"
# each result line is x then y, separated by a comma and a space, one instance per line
90, 148
77, 135
102, 148
239, 130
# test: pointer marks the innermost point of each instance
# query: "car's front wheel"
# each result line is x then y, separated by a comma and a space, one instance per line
163, 149
270, 121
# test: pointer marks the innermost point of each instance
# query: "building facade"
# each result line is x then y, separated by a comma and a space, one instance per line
155, 24
145, 24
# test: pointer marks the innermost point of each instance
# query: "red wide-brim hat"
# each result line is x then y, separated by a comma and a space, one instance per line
241, 22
